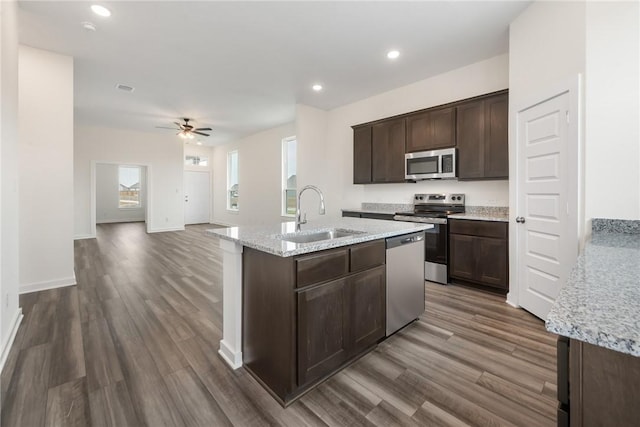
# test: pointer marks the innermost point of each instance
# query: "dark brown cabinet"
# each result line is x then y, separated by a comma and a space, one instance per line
304, 317
479, 253
339, 320
387, 151
431, 130
482, 138
596, 386
362, 155
477, 127
323, 329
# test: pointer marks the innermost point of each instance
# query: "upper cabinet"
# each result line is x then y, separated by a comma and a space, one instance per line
478, 127
362, 155
431, 130
387, 151
482, 138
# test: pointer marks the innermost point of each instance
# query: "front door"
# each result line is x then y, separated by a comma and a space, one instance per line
196, 197
547, 239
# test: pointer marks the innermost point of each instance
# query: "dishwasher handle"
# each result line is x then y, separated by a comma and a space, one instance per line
394, 242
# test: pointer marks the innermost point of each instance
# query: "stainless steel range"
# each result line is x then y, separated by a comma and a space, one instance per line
433, 209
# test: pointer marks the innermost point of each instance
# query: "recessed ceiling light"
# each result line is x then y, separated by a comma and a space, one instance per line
101, 10
89, 26
317, 87
199, 143
393, 54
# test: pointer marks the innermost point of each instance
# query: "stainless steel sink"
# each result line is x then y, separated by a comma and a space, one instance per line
319, 235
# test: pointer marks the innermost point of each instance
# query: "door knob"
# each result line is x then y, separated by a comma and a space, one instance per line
520, 219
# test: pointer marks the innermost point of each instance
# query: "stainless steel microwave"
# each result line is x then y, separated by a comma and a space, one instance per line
436, 164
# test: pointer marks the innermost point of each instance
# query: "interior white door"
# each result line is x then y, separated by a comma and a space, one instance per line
546, 239
196, 197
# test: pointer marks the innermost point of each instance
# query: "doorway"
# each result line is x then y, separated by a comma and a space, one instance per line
120, 193
197, 197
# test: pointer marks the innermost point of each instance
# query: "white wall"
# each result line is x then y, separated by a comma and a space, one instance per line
161, 153
315, 165
10, 314
45, 128
107, 195
612, 162
475, 79
259, 170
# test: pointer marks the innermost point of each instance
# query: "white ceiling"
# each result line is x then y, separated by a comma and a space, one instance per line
240, 67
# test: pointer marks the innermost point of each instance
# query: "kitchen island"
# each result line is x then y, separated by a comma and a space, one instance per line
597, 315
298, 306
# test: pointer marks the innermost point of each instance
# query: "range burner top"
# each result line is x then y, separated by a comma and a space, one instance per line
433, 208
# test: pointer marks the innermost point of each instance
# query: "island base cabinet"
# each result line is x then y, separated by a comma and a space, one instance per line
307, 316
339, 320
323, 329
604, 387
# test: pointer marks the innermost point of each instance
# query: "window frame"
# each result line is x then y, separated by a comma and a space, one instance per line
140, 198
284, 167
230, 154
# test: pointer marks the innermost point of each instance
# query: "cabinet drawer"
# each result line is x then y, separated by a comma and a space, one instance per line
321, 267
367, 255
497, 230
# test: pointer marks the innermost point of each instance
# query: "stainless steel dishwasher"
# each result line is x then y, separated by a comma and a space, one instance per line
405, 280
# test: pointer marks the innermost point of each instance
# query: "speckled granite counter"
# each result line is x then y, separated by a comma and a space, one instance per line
600, 303
484, 213
266, 238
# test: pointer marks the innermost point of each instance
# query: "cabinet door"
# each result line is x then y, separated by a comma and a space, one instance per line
470, 140
388, 142
362, 155
462, 262
491, 257
443, 128
431, 130
496, 140
368, 307
323, 325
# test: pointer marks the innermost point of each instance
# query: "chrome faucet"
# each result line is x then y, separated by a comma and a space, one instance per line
303, 220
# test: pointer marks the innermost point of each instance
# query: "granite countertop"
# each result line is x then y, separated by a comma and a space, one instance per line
267, 237
600, 304
382, 208
484, 213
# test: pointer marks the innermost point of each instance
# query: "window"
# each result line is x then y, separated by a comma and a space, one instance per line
232, 181
129, 187
190, 160
289, 185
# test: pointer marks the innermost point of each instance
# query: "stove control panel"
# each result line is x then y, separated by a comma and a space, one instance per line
439, 199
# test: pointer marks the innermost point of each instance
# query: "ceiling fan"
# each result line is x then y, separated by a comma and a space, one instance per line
187, 131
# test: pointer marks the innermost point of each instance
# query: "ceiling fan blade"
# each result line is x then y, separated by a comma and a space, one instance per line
209, 129
199, 133
164, 127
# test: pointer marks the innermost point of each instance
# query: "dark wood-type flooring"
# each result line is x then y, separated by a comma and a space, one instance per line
135, 343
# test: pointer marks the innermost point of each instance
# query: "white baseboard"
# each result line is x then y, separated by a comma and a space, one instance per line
162, 230
8, 342
84, 236
46, 285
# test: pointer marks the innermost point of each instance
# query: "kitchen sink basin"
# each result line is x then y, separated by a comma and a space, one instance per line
317, 236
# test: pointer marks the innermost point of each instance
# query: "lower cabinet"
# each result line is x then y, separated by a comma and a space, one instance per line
338, 320
479, 253
596, 386
304, 317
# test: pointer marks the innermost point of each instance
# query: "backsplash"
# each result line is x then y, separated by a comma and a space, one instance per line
487, 210
387, 207
606, 225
